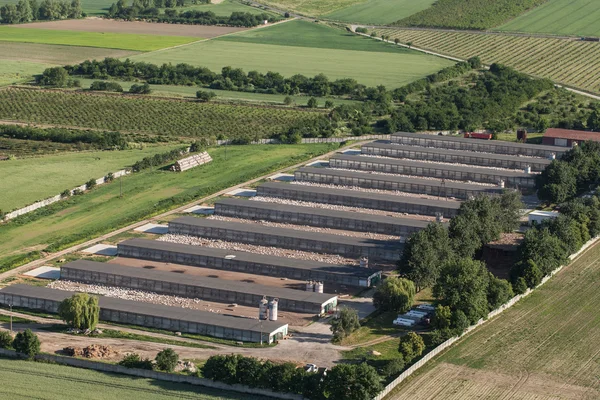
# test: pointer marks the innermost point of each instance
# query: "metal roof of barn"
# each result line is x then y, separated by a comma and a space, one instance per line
461, 139
149, 309
325, 212
364, 195
200, 281
571, 134
284, 232
434, 165
244, 256
461, 153
399, 179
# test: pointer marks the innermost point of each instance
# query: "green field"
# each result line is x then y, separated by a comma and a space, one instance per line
300, 47
469, 14
122, 41
561, 17
224, 95
570, 62
34, 380
90, 7
145, 193
31, 179
545, 347
12, 71
310, 7
380, 12
224, 8
173, 118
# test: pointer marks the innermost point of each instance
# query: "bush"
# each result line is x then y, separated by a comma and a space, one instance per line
361, 30
411, 346
89, 185
345, 323
27, 343
6, 340
312, 103
394, 294
167, 360
140, 89
106, 86
65, 193
133, 360
288, 101
393, 367
329, 104
205, 96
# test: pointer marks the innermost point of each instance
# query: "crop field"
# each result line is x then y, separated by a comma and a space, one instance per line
469, 14
571, 62
132, 27
27, 180
313, 49
311, 7
12, 71
224, 8
92, 39
381, 12
56, 54
148, 115
561, 17
90, 7
545, 347
28, 380
145, 193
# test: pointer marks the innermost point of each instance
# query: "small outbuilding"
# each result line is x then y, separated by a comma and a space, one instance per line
537, 217
568, 137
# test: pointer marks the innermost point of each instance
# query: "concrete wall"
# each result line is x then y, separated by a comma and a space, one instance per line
483, 146
123, 317
161, 376
373, 181
206, 293
302, 218
395, 205
421, 153
318, 245
483, 175
237, 265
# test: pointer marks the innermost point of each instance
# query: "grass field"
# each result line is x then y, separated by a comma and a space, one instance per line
30, 179
469, 14
224, 8
147, 115
570, 62
306, 48
146, 193
545, 347
311, 7
56, 54
92, 39
12, 71
224, 95
562, 17
33, 380
90, 7
380, 12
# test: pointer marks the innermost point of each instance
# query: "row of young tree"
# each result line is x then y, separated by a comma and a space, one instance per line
342, 382
491, 101
47, 10
99, 140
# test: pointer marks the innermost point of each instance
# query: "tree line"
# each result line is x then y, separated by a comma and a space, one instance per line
99, 140
47, 10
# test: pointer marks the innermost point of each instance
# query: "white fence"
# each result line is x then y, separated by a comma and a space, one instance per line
54, 199
413, 368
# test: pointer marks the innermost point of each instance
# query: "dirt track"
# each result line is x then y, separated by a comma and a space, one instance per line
133, 27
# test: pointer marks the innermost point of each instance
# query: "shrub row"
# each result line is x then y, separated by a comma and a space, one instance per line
100, 140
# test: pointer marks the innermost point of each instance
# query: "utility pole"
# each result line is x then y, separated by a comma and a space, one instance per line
11, 319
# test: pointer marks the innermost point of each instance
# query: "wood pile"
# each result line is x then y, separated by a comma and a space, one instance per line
191, 162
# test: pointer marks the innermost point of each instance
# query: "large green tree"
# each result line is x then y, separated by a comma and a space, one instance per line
27, 343
411, 346
557, 183
80, 311
394, 294
547, 251
352, 382
344, 324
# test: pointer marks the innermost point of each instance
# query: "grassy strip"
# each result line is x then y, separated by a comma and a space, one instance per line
115, 334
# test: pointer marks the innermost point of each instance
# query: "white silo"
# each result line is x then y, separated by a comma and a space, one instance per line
310, 286
273, 305
319, 287
263, 309
527, 169
364, 262
501, 184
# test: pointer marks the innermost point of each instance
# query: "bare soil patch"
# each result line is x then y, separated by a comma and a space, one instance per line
133, 27
56, 54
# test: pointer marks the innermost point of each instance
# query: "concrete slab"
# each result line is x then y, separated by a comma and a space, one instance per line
242, 193
153, 228
352, 152
319, 163
201, 210
282, 177
102, 250
44, 272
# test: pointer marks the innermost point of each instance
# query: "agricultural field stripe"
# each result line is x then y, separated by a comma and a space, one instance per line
121, 41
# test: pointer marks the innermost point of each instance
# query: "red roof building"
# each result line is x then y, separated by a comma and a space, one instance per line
566, 137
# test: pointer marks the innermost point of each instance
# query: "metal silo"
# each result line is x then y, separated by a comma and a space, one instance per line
319, 287
273, 305
263, 309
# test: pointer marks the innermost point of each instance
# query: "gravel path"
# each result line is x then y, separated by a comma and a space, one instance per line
307, 228
340, 208
360, 189
264, 250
